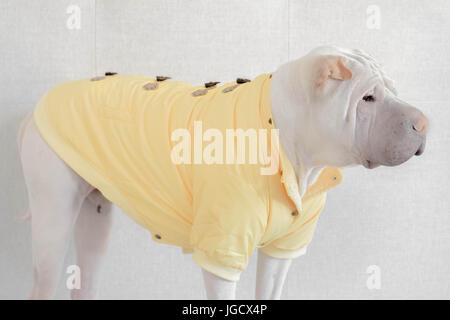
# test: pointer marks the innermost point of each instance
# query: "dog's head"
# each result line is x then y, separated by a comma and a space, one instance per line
350, 110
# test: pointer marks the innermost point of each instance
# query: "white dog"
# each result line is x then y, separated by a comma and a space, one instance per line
333, 108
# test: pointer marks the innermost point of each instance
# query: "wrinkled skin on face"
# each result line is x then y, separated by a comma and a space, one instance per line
377, 128
388, 130
336, 107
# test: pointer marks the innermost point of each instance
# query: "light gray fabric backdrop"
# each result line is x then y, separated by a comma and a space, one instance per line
397, 219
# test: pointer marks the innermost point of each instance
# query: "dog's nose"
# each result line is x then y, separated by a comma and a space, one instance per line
421, 124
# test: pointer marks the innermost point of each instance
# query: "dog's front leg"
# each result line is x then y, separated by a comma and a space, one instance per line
270, 276
218, 288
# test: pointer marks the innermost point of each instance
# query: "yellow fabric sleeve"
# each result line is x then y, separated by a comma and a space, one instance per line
211, 265
230, 217
275, 252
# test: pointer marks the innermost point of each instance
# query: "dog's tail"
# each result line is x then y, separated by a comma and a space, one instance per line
23, 124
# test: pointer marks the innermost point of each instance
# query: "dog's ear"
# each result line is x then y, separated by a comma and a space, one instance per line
331, 67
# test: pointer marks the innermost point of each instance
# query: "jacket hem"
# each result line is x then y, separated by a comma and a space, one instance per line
79, 165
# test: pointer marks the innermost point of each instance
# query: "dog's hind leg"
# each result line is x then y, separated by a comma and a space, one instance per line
56, 194
91, 239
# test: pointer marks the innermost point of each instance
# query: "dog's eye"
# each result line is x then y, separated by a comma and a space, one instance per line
369, 98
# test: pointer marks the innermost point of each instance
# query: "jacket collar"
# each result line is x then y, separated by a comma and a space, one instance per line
328, 178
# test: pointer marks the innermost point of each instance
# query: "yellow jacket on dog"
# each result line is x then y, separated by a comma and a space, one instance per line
116, 133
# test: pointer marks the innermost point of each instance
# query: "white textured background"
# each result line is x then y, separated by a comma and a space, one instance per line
395, 218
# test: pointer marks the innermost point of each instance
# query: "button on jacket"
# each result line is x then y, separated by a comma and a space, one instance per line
116, 133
